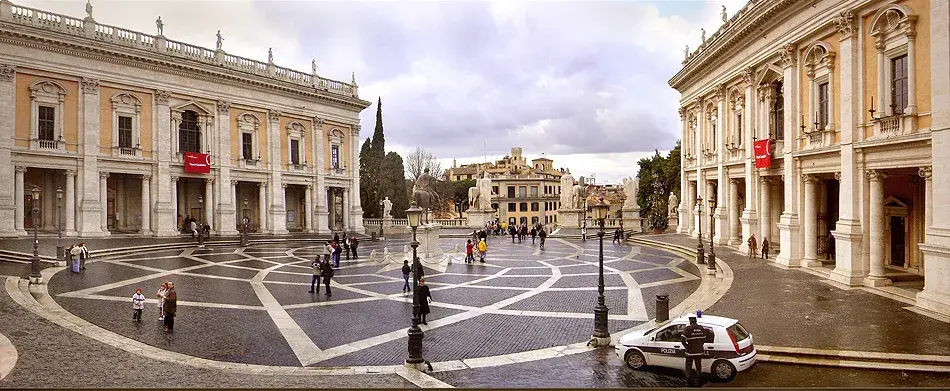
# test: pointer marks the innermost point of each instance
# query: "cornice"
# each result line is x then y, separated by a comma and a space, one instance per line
121, 55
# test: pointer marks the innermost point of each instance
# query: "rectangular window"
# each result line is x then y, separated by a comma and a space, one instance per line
534, 191
523, 206
535, 207
335, 156
823, 105
899, 91
739, 127
247, 145
125, 132
46, 123
494, 190
778, 113
511, 192
522, 191
512, 207
295, 151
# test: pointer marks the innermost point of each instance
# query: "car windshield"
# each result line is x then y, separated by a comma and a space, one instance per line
738, 332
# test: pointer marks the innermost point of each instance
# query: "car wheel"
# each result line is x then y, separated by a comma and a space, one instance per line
635, 359
723, 370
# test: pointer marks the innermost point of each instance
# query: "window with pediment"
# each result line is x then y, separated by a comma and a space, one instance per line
47, 100
295, 142
189, 132
126, 114
248, 127
820, 65
894, 30
336, 137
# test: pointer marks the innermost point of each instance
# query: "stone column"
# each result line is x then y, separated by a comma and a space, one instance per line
70, 223
238, 207
19, 200
811, 221
789, 226
10, 202
734, 209
711, 226
876, 227
356, 210
748, 218
120, 204
691, 207
936, 293
682, 224
93, 202
308, 205
277, 216
765, 217
722, 188
166, 208
927, 174
146, 228
174, 202
104, 196
209, 203
849, 243
48, 221
346, 209
262, 206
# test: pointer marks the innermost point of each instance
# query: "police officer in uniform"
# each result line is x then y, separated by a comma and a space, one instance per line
693, 337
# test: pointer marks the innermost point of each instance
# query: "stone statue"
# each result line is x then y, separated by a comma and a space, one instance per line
159, 24
313, 65
423, 192
630, 188
686, 52
484, 192
473, 196
578, 196
387, 207
673, 204
220, 40
725, 17
270, 55
567, 185
703, 36
88, 9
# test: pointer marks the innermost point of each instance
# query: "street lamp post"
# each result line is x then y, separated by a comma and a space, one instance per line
244, 240
201, 225
59, 223
711, 260
601, 335
700, 256
415, 360
35, 276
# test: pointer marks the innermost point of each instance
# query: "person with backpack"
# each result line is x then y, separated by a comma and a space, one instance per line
482, 250
327, 274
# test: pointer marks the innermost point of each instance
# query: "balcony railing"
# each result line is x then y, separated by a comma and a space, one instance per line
894, 125
48, 144
127, 151
35, 18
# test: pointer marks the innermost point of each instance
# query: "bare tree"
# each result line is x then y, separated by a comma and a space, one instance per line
418, 161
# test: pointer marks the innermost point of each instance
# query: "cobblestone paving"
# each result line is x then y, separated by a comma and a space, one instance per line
478, 310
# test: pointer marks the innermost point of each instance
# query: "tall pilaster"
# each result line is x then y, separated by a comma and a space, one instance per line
698, 205
226, 209
356, 210
146, 228
9, 200
92, 203
811, 221
722, 182
748, 219
682, 225
876, 227
174, 201
321, 214
789, 227
308, 205
849, 242
166, 198
734, 209
277, 216
262, 206
70, 227
19, 197
208, 203
691, 207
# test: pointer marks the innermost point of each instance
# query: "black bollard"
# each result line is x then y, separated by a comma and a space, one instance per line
662, 308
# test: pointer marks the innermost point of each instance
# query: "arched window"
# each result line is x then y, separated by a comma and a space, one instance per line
189, 132
778, 112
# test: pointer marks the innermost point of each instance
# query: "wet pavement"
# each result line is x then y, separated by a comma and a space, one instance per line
794, 308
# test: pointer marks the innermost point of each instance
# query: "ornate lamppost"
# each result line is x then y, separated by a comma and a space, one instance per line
246, 220
59, 223
415, 360
201, 225
700, 253
601, 335
711, 260
35, 276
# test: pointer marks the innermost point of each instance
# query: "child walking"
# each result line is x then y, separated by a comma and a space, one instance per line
138, 304
469, 249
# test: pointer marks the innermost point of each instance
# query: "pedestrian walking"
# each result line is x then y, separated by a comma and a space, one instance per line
138, 304
346, 245
337, 251
327, 274
161, 300
316, 267
406, 270
83, 255
194, 228
328, 252
482, 250
469, 248
170, 306
584, 233
425, 297
511, 231
753, 246
534, 232
354, 243
765, 248
542, 235
694, 337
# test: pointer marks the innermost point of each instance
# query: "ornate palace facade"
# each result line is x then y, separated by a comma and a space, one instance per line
854, 99
109, 115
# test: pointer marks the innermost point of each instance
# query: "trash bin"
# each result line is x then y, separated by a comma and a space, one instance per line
662, 308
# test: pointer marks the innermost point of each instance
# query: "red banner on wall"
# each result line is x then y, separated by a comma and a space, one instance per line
762, 149
199, 163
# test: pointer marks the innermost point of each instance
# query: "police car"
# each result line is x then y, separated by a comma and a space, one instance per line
728, 352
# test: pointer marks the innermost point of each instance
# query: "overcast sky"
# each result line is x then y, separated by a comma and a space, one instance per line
584, 82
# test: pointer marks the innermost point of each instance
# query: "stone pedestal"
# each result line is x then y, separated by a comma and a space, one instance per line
387, 228
632, 221
428, 237
672, 222
572, 218
478, 218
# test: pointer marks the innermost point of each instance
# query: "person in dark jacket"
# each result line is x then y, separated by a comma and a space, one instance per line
424, 299
406, 271
694, 338
170, 307
542, 234
327, 274
346, 245
765, 248
316, 268
354, 243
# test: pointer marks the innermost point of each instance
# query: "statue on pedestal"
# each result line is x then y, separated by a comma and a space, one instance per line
220, 40
630, 188
673, 204
387, 207
424, 194
567, 187
484, 192
159, 24
578, 197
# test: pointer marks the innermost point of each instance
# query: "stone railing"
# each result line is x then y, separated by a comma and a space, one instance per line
894, 125
592, 225
89, 28
452, 222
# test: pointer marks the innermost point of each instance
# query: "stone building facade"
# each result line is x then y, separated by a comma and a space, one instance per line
107, 114
854, 98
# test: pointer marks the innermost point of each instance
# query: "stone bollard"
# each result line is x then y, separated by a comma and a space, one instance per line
662, 308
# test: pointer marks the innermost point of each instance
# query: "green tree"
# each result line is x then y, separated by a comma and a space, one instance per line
394, 184
369, 186
664, 171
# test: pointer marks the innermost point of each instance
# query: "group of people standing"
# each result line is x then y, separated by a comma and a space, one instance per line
322, 267
76, 256
167, 305
753, 247
189, 225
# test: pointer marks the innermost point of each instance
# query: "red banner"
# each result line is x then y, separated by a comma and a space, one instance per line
762, 149
199, 163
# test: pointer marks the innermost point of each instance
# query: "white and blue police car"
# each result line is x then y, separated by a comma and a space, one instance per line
728, 352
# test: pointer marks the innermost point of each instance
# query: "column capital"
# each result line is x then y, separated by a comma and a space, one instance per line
104, 175
735, 181
174, 179
283, 185
844, 23
224, 107
925, 172
748, 75
318, 122
764, 180
234, 183
90, 85
209, 180
309, 186
21, 169
787, 55
262, 185
875, 175
7, 72
809, 178
274, 115
146, 177
161, 97
837, 175
70, 172
682, 112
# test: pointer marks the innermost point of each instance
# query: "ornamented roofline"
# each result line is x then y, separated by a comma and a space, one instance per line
739, 28
90, 29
